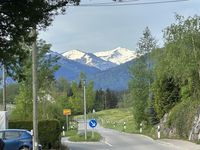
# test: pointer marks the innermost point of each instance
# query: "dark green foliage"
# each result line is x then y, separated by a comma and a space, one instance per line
53, 127
153, 117
49, 131
99, 100
21, 125
167, 95
111, 99
18, 18
106, 99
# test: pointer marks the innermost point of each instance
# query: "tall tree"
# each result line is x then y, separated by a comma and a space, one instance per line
17, 19
47, 67
140, 84
99, 100
182, 50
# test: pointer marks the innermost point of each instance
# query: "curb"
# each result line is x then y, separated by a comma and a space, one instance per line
169, 144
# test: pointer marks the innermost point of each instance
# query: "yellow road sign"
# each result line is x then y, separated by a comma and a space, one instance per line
66, 112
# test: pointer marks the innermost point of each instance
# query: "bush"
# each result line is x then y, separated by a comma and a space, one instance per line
49, 131
28, 125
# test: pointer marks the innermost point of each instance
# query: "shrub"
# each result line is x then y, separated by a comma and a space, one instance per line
49, 131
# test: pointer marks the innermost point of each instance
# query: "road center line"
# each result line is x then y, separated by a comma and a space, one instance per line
108, 143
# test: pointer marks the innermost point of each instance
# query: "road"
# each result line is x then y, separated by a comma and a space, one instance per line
114, 140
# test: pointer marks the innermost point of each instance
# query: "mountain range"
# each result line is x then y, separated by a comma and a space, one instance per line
108, 69
102, 60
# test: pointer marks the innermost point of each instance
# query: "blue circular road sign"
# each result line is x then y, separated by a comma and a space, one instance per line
93, 123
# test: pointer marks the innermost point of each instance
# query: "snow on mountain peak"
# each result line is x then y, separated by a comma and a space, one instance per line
73, 54
101, 60
117, 56
88, 59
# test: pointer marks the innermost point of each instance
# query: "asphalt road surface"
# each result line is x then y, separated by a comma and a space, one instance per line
114, 140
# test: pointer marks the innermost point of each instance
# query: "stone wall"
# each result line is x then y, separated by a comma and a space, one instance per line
195, 131
194, 134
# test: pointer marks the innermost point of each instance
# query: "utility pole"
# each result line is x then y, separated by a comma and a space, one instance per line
4, 88
35, 101
85, 118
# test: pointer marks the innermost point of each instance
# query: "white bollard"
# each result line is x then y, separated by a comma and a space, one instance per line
63, 130
140, 127
158, 132
124, 125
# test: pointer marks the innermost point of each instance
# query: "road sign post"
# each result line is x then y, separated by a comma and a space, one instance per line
67, 112
85, 111
67, 121
92, 124
93, 111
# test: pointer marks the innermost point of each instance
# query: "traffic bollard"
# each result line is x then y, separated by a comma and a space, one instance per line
63, 130
140, 127
158, 132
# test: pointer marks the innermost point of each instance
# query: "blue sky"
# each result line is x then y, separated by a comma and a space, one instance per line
93, 29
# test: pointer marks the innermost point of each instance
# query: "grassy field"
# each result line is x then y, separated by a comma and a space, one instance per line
115, 119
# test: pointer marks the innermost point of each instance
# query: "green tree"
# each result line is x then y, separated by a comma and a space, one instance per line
46, 69
23, 109
90, 96
142, 78
138, 86
11, 91
167, 95
76, 100
18, 18
182, 51
99, 100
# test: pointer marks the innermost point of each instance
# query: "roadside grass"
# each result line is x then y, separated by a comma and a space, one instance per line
118, 119
70, 133
81, 137
115, 118
74, 136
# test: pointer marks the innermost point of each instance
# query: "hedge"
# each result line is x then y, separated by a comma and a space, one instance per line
48, 130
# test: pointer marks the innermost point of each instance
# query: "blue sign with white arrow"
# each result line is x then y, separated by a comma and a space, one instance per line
93, 123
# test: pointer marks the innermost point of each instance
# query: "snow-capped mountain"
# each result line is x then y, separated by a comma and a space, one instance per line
117, 56
70, 69
88, 59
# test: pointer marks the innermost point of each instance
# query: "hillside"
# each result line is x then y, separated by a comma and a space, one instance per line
115, 78
70, 69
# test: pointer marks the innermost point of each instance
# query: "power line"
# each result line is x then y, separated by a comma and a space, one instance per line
128, 4
114, 2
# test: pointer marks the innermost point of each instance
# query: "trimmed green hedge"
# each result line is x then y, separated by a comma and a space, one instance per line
48, 130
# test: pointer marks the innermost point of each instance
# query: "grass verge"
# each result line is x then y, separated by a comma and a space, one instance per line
118, 119
115, 118
81, 137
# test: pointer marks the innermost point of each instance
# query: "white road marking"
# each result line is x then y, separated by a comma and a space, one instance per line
108, 143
